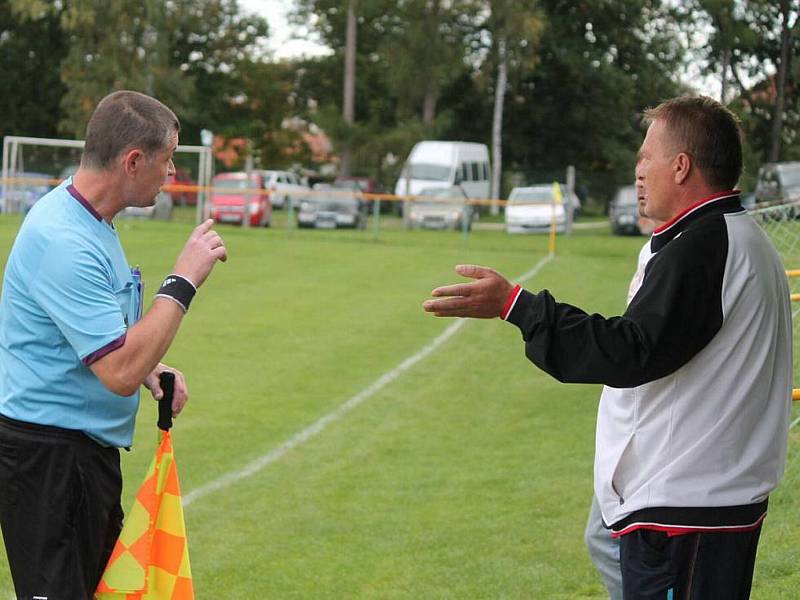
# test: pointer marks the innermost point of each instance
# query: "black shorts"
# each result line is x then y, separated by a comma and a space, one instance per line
692, 566
59, 509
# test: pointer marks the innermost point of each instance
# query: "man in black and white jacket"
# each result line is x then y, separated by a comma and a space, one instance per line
693, 422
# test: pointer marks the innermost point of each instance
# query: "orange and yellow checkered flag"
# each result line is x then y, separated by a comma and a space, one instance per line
151, 558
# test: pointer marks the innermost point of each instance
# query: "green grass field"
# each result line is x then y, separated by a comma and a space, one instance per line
467, 476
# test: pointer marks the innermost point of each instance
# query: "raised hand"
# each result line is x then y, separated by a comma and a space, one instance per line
203, 249
483, 298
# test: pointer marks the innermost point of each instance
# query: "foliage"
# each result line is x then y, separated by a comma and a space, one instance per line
30, 88
749, 34
597, 70
579, 74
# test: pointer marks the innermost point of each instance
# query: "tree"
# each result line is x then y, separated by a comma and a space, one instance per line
599, 67
762, 48
515, 34
730, 42
31, 88
348, 102
786, 44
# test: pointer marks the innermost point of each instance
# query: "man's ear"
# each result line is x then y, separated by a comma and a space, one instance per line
132, 161
681, 166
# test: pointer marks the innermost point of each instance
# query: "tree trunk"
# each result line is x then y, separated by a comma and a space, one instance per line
349, 101
780, 87
497, 123
429, 107
726, 62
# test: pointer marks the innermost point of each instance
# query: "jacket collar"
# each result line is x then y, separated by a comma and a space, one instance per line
719, 203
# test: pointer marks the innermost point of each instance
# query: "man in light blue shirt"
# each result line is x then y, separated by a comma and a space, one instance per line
75, 348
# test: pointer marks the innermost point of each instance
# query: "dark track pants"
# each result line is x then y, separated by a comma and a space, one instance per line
59, 509
693, 566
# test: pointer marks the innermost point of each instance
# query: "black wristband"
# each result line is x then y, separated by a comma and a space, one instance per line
178, 289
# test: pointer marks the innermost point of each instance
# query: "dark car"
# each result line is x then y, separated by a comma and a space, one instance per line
624, 214
367, 185
329, 207
778, 182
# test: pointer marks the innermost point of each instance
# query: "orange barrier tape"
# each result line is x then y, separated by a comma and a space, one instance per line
796, 394
370, 197
793, 273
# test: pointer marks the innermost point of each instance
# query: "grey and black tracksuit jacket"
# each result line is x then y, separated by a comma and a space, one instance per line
693, 422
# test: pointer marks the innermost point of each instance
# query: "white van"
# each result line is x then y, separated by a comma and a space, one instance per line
444, 164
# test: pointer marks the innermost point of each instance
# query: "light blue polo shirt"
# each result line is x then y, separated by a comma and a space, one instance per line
68, 299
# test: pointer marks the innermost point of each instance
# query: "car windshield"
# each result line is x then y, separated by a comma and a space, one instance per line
235, 184
428, 172
532, 197
626, 197
329, 197
790, 176
444, 193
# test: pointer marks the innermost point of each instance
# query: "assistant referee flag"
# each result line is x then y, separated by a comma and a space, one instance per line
151, 558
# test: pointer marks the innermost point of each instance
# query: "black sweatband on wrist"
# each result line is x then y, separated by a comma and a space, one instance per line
178, 289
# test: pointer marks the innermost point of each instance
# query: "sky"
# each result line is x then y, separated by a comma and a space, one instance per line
280, 41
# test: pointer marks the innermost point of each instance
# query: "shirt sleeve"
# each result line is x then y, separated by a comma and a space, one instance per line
74, 287
673, 316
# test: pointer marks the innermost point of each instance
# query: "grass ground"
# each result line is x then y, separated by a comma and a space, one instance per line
468, 476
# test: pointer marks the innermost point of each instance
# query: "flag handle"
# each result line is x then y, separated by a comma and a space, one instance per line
167, 381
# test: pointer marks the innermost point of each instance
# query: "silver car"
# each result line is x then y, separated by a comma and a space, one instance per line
440, 208
284, 187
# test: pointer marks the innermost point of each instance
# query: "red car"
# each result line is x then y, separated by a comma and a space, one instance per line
231, 193
176, 187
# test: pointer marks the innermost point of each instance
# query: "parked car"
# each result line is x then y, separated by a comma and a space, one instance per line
328, 207
232, 193
283, 186
778, 182
24, 189
161, 210
440, 208
532, 208
624, 214
364, 184
181, 197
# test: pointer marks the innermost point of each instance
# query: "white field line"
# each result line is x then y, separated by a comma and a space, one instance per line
795, 422
318, 426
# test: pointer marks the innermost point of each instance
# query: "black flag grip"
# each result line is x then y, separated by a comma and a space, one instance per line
167, 381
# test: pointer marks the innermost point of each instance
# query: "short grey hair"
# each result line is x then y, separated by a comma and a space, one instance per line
124, 120
708, 132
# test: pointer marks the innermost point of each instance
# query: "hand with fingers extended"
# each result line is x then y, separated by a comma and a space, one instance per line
484, 298
203, 249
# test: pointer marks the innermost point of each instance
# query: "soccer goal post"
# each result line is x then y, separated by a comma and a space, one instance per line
32, 165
